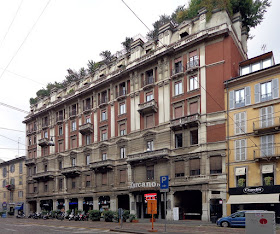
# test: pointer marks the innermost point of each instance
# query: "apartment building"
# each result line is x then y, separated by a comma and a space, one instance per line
253, 135
13, 185
104, 142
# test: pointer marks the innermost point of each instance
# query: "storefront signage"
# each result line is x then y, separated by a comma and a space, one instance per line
144, 185
150, 196
253, 190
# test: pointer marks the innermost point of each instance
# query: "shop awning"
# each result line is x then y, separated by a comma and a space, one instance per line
255, 198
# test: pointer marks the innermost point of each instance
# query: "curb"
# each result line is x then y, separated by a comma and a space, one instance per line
126, 230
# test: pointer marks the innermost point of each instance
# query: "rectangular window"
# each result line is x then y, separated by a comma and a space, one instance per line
256, 66
122, 108
179, 169
122, 151
104, 156
193, 83
178, 67
103, 115
88, 120
20, 180
195, 167
74, 126
87, 160
178, 88
20, 194
149, 121
267, 146
193, 59
46, 187
240, 150
240, 173
60, 184
194, 137
149, 96
239, 98
29, 141
193, 108
150, 172
88, 179
4, 172
215, 164
178, 111
34, 170
266, 91
87, 139
122, 129
45, 168
266, 114
104, 135
73, 142
122, 176
104, 178
150, 145
35, 189
45, 134
60, 146
73, 162
60, 130
178, 140
73, 183
240, 123
20, 168
149, 77
60, 165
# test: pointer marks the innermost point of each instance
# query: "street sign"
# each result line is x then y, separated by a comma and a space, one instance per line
152, 207
164, 184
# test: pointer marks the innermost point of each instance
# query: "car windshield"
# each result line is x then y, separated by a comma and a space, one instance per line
238, 214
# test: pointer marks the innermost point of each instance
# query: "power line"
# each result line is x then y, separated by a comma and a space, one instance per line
3, 39
12, 140
11, 149
14, 108
12, 129
24, 39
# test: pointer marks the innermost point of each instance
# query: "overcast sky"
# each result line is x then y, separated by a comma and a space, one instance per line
67, 35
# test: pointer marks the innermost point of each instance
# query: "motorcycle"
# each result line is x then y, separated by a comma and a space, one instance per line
20, 216
71, 217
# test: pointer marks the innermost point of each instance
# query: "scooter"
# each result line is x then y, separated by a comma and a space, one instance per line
71, 217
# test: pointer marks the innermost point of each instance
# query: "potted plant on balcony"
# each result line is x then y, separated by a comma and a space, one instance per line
10, 187
268, 180
241, 182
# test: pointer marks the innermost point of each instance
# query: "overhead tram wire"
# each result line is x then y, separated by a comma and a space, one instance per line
16, 130
24, 39
12, 140
3, 39
14, 108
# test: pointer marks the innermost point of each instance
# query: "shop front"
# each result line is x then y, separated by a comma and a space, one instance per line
60, 204
19, 207
46, 205
88, 204
104, 203
255, 198
73, 204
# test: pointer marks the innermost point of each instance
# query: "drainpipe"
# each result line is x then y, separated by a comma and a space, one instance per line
227, 111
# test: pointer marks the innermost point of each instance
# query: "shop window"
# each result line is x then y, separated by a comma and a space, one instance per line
149, 96
122, 130
104, 135
60, 130
150, 172
178, 88
194, 137
267, 175
240, 173
179, 169
88, 179
178, 140
178, 112
87, 160
195, 167
122, 176
215, 164
240, 123
123, 153
150, 145
193, 83
87, 139
103, 115
149, 121
104, 178
122, 108
104, 156
240, 150
74, 126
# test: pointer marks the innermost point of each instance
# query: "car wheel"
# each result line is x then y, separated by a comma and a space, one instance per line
224, 224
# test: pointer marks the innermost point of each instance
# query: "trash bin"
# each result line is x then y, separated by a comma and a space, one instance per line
4, 215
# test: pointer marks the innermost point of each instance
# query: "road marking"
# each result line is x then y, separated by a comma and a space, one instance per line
12, 230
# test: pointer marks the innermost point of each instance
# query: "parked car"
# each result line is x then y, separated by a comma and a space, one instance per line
235, 219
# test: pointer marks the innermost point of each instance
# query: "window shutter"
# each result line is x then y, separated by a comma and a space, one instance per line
247, 95
231, 100
275, 88
149, 121
123, 176
193, 108
243, 122
270, 146
194, 164
179, 167
237, 123
104, 178
216, 163
257, 93
270, 115
178, 112
243, 149
122, 127
237, 150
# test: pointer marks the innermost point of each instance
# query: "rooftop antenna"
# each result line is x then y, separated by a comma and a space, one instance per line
263, 48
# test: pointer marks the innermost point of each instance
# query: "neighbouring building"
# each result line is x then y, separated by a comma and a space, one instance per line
253, 129
13, 185
104, 142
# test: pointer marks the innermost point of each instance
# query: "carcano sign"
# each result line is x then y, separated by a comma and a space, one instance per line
144, 185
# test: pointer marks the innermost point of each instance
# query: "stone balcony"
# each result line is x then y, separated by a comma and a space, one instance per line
44, 176
148, 155
102, 165
192, 65
266, 125
186, 121
30, 161
43, 142
86, 128
148, 107
71, 171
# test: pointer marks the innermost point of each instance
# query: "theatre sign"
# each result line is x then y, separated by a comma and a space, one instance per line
144, 185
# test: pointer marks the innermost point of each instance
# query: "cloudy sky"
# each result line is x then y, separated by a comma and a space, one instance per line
41, 39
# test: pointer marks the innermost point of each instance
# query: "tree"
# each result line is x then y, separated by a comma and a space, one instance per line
163, 19
107, 56
92, 67
127, 44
